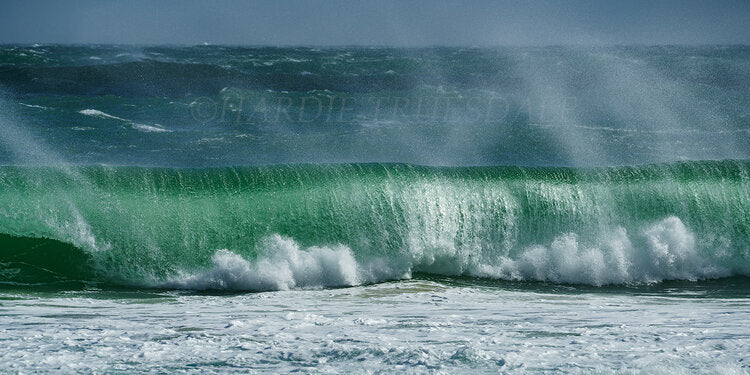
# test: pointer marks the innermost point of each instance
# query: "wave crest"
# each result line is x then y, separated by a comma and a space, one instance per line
354, 224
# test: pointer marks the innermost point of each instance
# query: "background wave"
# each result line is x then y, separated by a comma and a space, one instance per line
216, 106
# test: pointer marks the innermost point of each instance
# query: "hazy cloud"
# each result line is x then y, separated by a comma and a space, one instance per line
390, 22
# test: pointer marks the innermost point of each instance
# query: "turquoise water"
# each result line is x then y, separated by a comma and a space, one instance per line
340, 225
373, 210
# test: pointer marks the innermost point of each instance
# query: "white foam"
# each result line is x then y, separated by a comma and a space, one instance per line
665, 250
282, 264
412, 327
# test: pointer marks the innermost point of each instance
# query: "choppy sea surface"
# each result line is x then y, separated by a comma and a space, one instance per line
374, 210
435, 325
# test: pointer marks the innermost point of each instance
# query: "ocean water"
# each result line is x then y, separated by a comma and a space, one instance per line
374, 210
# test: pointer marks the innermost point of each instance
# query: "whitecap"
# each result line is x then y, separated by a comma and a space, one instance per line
156, 128
149, 128
98, 113
33, 106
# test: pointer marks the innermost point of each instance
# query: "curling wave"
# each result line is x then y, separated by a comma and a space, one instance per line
309, 226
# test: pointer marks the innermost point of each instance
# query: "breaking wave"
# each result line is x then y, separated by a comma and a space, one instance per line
313, 226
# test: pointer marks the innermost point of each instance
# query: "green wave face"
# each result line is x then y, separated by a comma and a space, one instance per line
265, 228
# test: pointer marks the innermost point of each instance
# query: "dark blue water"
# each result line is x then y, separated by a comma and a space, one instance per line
212, 105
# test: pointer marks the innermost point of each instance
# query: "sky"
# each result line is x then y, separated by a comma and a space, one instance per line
387, 22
